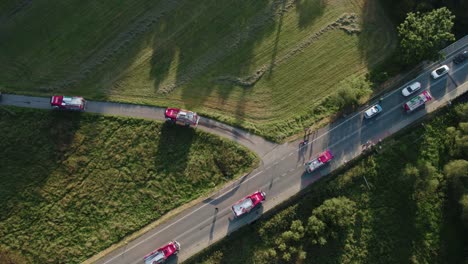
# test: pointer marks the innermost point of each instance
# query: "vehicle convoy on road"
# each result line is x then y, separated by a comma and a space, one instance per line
410, 89
249, 202
318, 162
71, 103
161, 254
181, 117
417, 101
375, 109
439, 72
343, 137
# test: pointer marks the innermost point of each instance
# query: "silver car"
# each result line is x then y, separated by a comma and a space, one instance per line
410, 89
375, 109
439, 72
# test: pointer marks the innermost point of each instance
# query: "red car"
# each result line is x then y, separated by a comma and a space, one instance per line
73, 103
248, 203
161, 254
318, 162
181, 116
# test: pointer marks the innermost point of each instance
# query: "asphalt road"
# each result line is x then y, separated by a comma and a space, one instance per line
281, 174
251, 141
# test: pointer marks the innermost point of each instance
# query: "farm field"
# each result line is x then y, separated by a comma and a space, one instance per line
414, 210
73, 184
265, 65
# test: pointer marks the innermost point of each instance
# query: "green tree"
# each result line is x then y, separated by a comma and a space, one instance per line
329, 218
9, 257
352, 92
316, 229
289, 242
423, 35
457, 174
464, 205
456, 168
457, 137
462, 112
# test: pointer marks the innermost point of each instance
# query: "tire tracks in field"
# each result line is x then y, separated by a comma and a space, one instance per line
230, 42
346, 22
121, 43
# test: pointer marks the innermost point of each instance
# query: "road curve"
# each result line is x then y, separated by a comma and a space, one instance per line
253, 142
281, 174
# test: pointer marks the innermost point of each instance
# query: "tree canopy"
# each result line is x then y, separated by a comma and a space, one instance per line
327, 219
423, 35
352, 91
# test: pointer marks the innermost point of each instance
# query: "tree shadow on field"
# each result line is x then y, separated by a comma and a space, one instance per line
377, 39
308, 11
33, 144
277, 38
173, 150
197, 45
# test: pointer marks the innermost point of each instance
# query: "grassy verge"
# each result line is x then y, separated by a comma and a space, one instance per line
73, 184
265, 66
409, 214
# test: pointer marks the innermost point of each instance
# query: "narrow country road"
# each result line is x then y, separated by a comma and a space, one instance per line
249, 140
281, 174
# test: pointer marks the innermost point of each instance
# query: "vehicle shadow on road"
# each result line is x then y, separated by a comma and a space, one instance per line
172, 260
213, 222
440, 89
309, 178
249, 218
235, 132
340, 137
231, 190
302, 151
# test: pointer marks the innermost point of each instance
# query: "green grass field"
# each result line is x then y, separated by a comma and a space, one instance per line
263, 65
71, 185
410, 214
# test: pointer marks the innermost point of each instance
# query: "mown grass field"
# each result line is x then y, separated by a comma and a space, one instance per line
263, 65
410, 214
71, 185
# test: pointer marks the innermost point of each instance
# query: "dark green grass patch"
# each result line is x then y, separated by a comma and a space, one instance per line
73, 184
407, 216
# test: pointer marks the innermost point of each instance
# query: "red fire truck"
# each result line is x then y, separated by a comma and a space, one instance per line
181, 117
318, 162
248, 203
161, 254
71, 103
